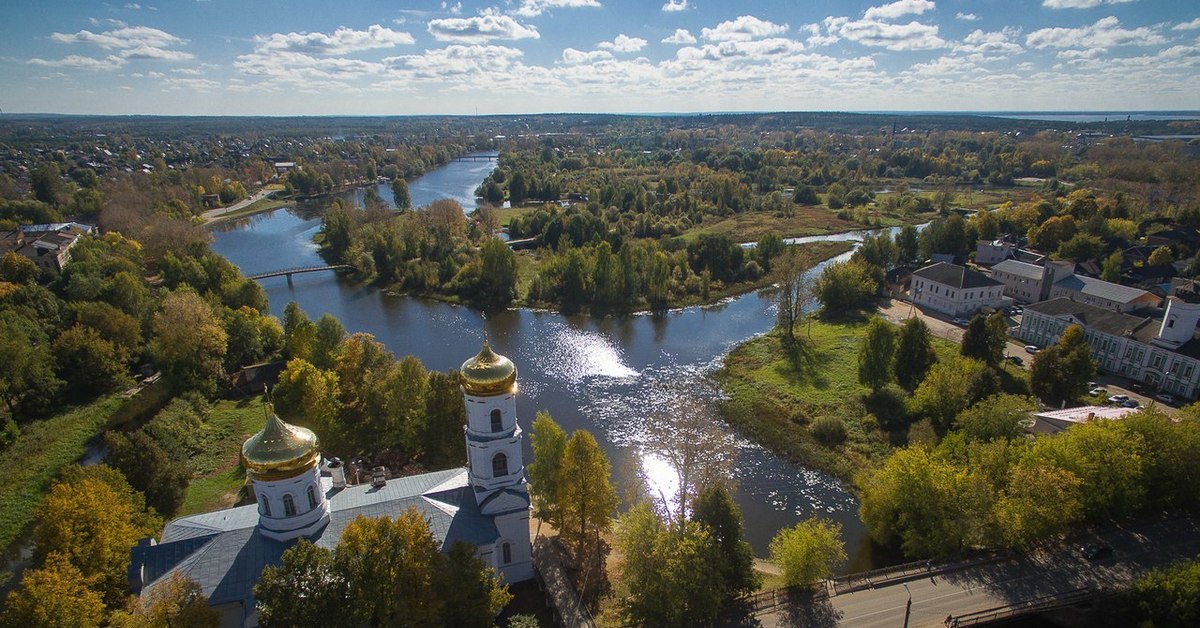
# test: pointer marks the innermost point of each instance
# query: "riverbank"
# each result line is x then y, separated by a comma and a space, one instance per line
793, 407
217, 474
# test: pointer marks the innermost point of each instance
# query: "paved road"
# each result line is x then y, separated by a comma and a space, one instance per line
1135, 551
214, 214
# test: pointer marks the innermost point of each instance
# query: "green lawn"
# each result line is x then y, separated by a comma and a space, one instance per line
35, 458
259, 206
218, 476
775, 400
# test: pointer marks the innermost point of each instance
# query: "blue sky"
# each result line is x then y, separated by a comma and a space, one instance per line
317, 57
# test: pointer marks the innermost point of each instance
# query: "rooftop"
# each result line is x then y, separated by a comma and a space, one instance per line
1092, 316
1021, 269
955, 276
1102, 289
1083, 414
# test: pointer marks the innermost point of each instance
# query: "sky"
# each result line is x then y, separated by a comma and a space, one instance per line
366, 57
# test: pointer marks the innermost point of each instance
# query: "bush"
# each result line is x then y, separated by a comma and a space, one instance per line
829, 429
889, 405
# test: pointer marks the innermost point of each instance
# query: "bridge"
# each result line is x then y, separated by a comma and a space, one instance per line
495, 157
288, 272
987, 588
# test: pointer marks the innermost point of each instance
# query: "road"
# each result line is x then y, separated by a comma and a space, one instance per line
1136, 550
214, 214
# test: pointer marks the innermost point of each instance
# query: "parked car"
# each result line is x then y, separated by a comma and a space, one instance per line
1165, 398
960, 321
1098, 391
1031, 349
1015, 359
1131, 403
1118, 399
1137, 387
1096, 551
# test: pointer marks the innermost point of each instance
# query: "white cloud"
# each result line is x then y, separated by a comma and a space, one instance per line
341, 41
158, 54
1105, 33
1187, 26
966, 17
897, 9
623, 43
454, 9
133, 6
534, 8
911, 36
744, 28
681, 36
120, 38
755, 51
992, 43
486, 26
194, 84
1080, 4
461, 62
572, 56
675, 5
80, 62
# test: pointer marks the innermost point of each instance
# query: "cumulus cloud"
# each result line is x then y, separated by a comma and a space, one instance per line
911, 36
1187, 26
744, 28
758, 50
341, 41
572, 56
623, 43
675, 5
897, 9
966, 17
194, 84
1080, 4
681, 36
458, 61
487, 26
1105, 33
991, 43
80, 62
122, 37
534, 8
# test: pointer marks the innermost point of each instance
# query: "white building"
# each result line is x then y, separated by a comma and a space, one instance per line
485, 505
1029, 283
1054, 421
955, 290
1160, 352
1100, 293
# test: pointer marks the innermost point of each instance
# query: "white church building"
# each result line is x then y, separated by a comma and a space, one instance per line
300, 495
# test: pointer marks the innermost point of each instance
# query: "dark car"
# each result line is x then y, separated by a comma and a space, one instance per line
1095, 551
1015, 359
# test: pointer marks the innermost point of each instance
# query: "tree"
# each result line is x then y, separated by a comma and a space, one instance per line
308, 396
174, 602
400, 194
808, 551
1061, 372
306, 588
1112, 267
115, 326
517, 189
445, 415
950, 387
996, 417
498, 279
586, 498
877, 354
1162, 256
1168, 596
1108, 458
18, 268
190, 342
1080, 248
878, 250
27, 381
806, 195
795, 292
56, 594
1040, 500
846, 287
45, 182
388, 566
1052, 232
985, 339
149, 469
470, 589
769, 247
89, 362
329, 334
914, 353
549, 444
716, 512
908, 243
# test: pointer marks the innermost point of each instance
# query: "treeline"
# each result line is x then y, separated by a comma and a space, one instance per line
360, 400
431, 250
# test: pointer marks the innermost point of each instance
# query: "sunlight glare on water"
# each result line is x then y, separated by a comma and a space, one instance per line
574, 355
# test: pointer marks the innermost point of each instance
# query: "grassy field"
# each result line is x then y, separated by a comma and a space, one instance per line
806, 221
259, 206
218, 476
776, 401
35, 458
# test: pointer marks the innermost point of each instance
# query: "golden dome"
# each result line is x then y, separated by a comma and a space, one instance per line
280, 450
488, 373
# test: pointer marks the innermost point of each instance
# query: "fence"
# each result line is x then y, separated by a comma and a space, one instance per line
1036, 605
552, 577
907, 571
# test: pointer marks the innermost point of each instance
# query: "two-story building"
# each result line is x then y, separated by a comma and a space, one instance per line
955, 290
1160, 352
1029, 283
1100, 293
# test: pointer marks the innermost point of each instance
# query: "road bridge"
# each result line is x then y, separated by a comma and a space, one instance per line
288, 272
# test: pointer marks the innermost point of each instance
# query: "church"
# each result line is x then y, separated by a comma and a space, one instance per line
299, 494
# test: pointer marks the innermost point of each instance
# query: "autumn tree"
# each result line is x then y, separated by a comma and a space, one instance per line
445, 415
846, 287
795, 292
18, 268
586, 499
304, 589
400, 194
175, 602
951, 386
329, 335
388, 566
90, 363
876, 354
55, 594
808, 551
1111, 271
1040, 500
1162, 256
914, 353
995, 417
549, 444
1061, 372
189, 342
717, 513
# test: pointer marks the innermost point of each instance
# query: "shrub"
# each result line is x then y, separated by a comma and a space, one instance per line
829, 429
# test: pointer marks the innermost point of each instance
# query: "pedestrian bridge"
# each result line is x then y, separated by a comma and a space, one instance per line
288, 272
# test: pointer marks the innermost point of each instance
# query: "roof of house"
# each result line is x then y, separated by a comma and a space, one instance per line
225, 553
1091, 316
1086, 413
1020, 269
1102, 289
955, 276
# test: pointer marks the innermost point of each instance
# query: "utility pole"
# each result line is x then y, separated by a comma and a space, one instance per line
907, 606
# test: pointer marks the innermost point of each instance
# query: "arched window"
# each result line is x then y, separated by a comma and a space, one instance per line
499, 465
506, 552
289, 506
266, 505
312, 498
497, 423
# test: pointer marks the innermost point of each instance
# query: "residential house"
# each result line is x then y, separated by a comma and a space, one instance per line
48, 245
1161, 352
1054, 421
1029, 283
955, 290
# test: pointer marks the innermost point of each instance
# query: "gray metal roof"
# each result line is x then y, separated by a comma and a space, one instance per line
1102, 289
1020, 269
1091, 316
955, 276
224, 552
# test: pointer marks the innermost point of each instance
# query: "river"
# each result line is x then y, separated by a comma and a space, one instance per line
612, 376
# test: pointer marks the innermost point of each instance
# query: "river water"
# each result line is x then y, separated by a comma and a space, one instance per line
616, 377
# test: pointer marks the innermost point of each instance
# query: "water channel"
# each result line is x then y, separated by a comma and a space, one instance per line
612, 376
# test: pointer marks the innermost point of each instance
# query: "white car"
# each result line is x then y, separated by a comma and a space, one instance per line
1031, 349
1098, 391
1118, 399
1165, 398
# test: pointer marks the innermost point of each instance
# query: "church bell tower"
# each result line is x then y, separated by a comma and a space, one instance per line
496, 466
